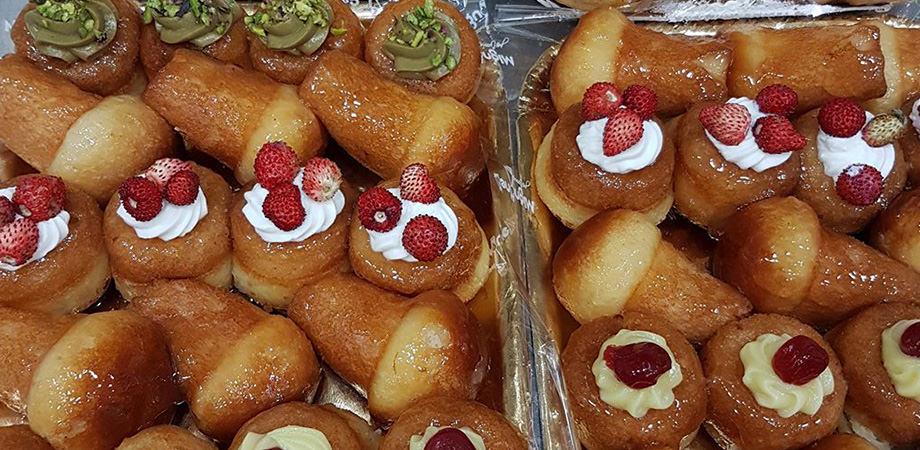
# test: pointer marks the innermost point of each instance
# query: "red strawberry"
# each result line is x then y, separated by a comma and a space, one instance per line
859, 184
282, 206
425, 238
378, 209
777, 99
623, 130
7, 211
321, 179
841, 117
18, 241
141, 198
728, 123
600, 100
776, 134
275, 165
40, 197
416, 185
163, 169
641, 99
182, 188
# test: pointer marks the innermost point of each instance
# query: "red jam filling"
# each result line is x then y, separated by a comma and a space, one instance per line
449, 439
638, 365
800, 360
910, 341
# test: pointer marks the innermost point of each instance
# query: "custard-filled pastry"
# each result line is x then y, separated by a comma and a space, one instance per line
233, 360
287, 36
55, 370
735, 153
773, 383
777, 254
842, 442
291, 227
169, 222
386, 127
213, 27
91, 142
298, 425
910, 141
606, 152
896, 231
635, 383
91, 43
396, 349
617, 261
852, 165
165, 437
413, 235
52, 254
21, 437
440, 422
228, 112
426, 45
606, 46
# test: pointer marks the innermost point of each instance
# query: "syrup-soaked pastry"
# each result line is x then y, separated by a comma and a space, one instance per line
450, 423
896, 231
21, 437
691, 241
910, 140
298, 425
11, 165
165, 437
773, 383
842, 442
902, 67
635, 383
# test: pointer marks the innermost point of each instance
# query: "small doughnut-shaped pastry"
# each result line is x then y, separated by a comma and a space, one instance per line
295, 423
896, 231
442, 422
20, 437
910, 140
165, 437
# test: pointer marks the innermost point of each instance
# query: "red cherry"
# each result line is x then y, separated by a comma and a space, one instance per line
910, 340
800, 360
638, 365
449, 439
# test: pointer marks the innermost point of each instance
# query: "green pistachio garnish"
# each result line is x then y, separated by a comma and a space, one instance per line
423, 44
72, 29
199, 22
298, 27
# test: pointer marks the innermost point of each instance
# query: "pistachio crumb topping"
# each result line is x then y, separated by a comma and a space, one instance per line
200, 22
296, 26
423, 43
72, 29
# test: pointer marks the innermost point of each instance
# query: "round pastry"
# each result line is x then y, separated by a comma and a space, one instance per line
634, 383
298, 425
774, 383
446, 423
20, 437
413, 235
52, 255
896, 231
910, 141
165, 437
169, 222
607, 152
842, 442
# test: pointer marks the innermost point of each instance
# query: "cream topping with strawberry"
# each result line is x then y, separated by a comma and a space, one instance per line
640, 155
319, 215
747, 154
447, 437
838, 153
33, 221
291, 437
166, 202
390, 243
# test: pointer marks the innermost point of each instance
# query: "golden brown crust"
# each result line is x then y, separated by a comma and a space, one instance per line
342, 431
20, 437
896, 231
494, 429
910, 145
842, 442
165, 437
902, 66
691, 241
232, 48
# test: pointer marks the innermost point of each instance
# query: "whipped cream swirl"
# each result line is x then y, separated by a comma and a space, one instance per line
291, 437
319, 215
837, 153
642, 154
903, 369
172, 222
389, 243
915, 115
418, 442
747, 154
51, 233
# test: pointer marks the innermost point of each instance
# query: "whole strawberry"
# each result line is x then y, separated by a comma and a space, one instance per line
601, 99
622, 131
416, 185
7, 211
39, 197
641, 99
141, 198
378, 209
884, 129
728, 123
18, 241
841, 117
425, 238
321, 179
182, 188
860, 184
275, 165
777, 99
283, 208
776, 134
163, 169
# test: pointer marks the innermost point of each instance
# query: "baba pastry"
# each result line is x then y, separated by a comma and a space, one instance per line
21, 437
427, 46
634, 383
778, 255
896, 231
11, 165
606, 152
233, 360
902, 66
617, 261
446, 423
910, 141
165, 437
842, 442
773, 383
52, 255
169, 222
386, 127
228, 112
396, 350
691, 241
91, 142
298, 425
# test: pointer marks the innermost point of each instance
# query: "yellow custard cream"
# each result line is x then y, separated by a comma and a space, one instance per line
903, 369
418, 442
291, 437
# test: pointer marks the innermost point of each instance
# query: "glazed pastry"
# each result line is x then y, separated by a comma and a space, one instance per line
91, 142
902, 66
852, 165
297, 425
291, 227
386, 127
397, 350
169, 222
228, 112
52, 255
723, 165
777, 254
233, 359
773, 383
606, 152
427, 46
691, 241
896, 231
414, 235
11, 165
450, 423
287, 36
634, 383
606, 46
21, 437
55, 367
165, 437
879, 349
617, 261
213, 27
910, 141
842, 442
91, 43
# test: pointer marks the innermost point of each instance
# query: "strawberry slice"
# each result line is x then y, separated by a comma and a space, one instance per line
164, 169
776, 134
622, 131
728, 123
18, 241
417, 185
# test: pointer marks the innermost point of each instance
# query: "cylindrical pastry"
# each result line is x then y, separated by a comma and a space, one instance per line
397, 350
773, 383
165, 437
902, 67
910, 140
228, 112
617, 261
90, 142
21, 437
635, 383
842, 442
450, 423
427, 46
778, 255
296, 422
233, 360
55, 370
896, 231
386, 127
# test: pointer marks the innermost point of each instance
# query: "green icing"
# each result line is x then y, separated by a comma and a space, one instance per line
424, 43
296, 26
199, 22
72, 29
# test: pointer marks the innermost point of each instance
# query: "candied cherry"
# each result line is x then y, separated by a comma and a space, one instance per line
910, 340
800, 360
449, 439
638, 365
